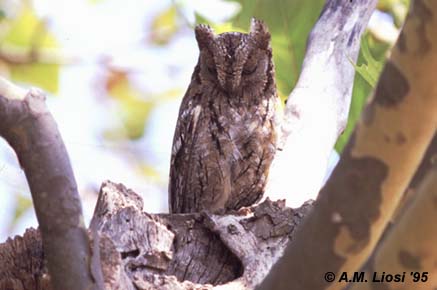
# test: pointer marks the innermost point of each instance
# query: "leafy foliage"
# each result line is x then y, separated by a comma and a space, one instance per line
371, 68
25, 38
164, 26
396, 8
368, 69
133, 109
23, 204
134, 105
289, 23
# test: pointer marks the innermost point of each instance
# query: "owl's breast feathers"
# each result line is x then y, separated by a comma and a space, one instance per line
221, 153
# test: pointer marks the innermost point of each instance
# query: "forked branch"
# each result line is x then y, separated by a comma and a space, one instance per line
30, 129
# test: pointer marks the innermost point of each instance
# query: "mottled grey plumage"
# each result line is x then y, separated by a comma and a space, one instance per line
225, 136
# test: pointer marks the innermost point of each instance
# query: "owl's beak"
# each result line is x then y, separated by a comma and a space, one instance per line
231, 85
229, 82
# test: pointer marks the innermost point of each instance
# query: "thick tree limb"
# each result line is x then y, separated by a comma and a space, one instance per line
360, 197
410, 245
404, 236
428, 161
31, 131
317, 110
180, 251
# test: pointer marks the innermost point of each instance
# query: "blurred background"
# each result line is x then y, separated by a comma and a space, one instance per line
116, 71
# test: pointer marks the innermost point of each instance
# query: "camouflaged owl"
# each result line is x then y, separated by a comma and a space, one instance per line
225, 137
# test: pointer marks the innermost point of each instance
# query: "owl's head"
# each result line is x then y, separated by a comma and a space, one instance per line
236, 62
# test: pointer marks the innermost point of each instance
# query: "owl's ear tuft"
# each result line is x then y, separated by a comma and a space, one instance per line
260, 33
204, 35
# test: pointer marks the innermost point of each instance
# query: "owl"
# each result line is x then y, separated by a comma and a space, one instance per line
225, 137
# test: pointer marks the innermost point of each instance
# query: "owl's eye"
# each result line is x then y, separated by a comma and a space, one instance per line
250, 69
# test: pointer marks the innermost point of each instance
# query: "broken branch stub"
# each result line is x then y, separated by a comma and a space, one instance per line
193, 251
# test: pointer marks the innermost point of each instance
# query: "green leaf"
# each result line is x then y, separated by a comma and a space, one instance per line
42, 75
396, 8
368, 71
164, 26
23, 204
151, 173
371, 69
134, 105
289, 22
218, 27
30, 33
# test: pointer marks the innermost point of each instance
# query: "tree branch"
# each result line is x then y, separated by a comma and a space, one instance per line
428, 161
29, 128
410, 245
376, 167
317, 110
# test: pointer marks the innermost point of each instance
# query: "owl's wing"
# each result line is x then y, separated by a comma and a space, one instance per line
255, 140
183, 142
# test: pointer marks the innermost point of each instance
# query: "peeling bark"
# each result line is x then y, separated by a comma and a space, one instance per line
428, 161
409, 246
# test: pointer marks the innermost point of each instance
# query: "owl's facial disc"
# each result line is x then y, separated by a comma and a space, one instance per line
230, 54
234, 61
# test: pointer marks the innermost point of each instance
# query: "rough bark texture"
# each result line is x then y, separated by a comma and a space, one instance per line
22, 263
138, 250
